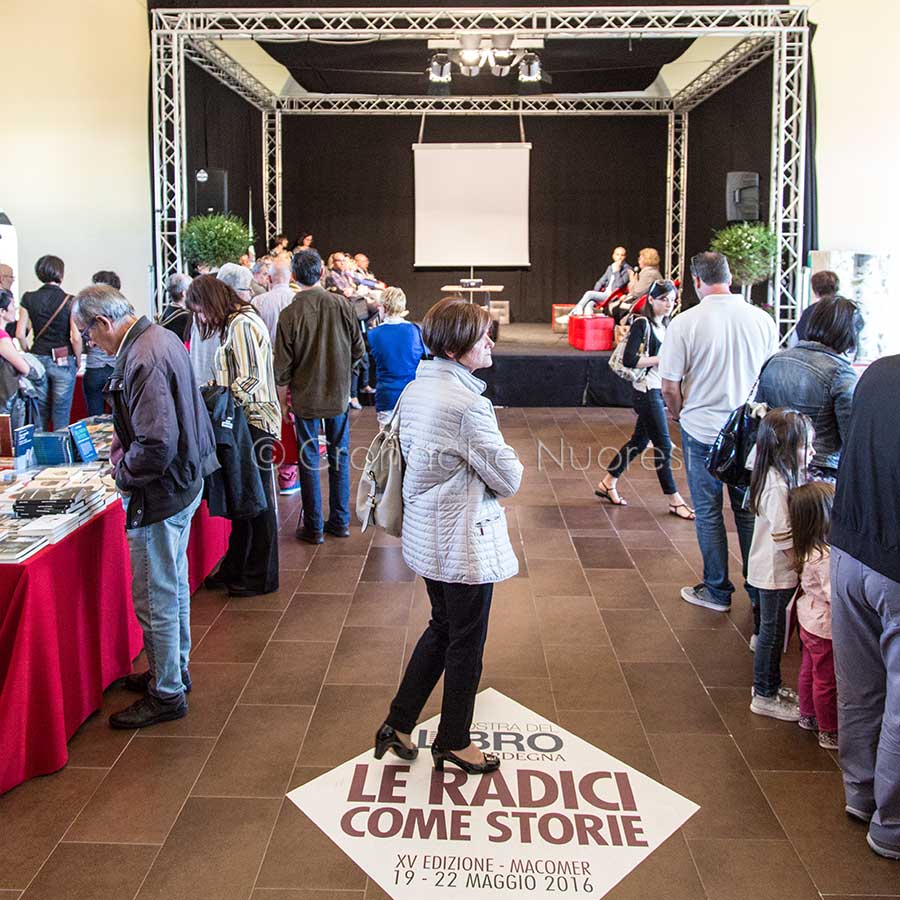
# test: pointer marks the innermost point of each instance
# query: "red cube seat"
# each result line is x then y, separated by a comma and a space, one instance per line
591, 332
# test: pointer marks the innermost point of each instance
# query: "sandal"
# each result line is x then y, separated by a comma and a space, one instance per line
673, 511
605, 493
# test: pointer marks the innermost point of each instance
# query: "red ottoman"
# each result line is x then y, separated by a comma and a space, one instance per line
591, 332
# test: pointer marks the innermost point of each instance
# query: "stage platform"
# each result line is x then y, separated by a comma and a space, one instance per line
535, 367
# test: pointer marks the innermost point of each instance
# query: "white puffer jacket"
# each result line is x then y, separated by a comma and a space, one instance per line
457, 464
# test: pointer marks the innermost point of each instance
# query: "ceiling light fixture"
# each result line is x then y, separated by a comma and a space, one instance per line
439, 69
530, 68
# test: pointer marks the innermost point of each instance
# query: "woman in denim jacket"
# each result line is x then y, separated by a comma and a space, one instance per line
816, 378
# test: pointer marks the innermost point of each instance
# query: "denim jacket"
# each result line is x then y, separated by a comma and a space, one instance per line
815, 380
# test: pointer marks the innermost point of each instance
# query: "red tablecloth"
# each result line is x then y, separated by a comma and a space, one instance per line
68, 630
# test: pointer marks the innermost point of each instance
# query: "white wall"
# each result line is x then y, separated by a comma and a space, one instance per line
74, 152
856, 52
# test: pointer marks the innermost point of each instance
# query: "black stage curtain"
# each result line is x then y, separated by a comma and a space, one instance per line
225, 132
595, 182
729, 132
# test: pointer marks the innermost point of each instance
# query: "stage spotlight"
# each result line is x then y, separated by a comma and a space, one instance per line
530, 68
439, 69
501, 44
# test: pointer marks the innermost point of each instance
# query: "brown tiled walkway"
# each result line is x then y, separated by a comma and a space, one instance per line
592, 634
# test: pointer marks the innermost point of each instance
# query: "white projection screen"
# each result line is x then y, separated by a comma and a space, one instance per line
471, 204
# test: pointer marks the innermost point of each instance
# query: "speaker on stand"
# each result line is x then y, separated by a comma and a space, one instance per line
210, 192
742, 196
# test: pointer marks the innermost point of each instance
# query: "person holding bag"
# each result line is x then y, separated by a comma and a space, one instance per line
641, 351
454, 531
56, 341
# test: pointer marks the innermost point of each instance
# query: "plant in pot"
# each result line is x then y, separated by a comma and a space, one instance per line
750, 248
214, 240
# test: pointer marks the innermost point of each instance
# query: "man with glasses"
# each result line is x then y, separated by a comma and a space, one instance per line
709, 363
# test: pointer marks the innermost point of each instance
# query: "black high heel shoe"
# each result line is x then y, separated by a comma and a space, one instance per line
386, 739
440, 756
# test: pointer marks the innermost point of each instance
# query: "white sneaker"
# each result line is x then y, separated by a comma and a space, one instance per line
775, 708
699, 595
562, 320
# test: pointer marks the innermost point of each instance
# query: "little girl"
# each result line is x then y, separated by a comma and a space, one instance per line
810, 510
784, 449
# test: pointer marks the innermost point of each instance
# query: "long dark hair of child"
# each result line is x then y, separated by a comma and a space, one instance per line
809, 507
781, 442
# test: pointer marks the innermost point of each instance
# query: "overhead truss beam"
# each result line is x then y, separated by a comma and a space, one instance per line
225, 68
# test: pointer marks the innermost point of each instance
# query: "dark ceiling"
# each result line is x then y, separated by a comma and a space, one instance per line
398, 66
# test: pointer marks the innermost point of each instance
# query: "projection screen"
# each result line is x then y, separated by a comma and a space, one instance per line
471, 204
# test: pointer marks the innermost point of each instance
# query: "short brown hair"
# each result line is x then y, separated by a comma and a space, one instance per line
50, 269
825, 283
215, 301
651, 255
454, 326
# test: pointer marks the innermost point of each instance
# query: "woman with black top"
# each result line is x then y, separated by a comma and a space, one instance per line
47, 329
642, 350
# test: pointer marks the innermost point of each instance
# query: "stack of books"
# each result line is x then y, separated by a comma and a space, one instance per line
17, 549
52, 528
43, 501
52, 448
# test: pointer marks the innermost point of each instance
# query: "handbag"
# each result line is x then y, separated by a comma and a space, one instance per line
617, 362
727, 459
379, 496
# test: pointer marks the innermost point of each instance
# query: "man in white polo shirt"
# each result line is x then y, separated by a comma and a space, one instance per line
710, 360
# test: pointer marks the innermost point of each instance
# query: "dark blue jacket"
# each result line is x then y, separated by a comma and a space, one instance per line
815, 380
397, 350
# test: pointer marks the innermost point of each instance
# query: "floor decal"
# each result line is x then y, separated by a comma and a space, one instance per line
560, 816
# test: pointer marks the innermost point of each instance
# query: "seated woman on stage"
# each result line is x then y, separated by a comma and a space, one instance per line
616, 276
648, 263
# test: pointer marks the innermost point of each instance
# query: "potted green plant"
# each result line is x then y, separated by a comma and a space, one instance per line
750, 248
214, 240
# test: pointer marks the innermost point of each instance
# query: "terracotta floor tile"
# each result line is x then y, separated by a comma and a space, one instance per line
237, 637
269, 735
42, 809
334, 575
542, 518
95, 743
386, 564
618, 732
381, 604
557, 578
292, 553
141, 796
288, 580
533, 693
668, 874
592, 517
670, 699
709, 770
720, 656
547, 543
602, 553
570, 620
641, 636
618, 589
586, 678
276, 894
198, 862
357, 544
832, 846
367, 656
301, 856
217, 687
667, 565
206, 606
289, 673
735, 869
680, 614
313, 617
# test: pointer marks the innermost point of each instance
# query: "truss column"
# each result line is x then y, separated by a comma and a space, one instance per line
676, 194
787, 182
271, 135
168, 156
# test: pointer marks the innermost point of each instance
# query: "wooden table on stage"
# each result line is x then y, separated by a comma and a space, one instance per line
486, 289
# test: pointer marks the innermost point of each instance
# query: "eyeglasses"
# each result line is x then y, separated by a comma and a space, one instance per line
86, 332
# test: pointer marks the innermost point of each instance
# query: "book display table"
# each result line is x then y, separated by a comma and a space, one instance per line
68, 630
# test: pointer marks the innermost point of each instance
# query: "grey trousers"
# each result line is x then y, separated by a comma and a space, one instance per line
866, 634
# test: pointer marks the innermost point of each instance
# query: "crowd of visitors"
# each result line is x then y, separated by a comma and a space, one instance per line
288, 341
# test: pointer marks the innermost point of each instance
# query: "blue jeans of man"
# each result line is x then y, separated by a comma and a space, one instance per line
770, 642
337, 436
865, 608
162, 597
706, 498
585, 306
95, 377
54, 393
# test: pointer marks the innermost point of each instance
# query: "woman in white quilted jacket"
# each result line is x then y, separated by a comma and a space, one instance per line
454, 529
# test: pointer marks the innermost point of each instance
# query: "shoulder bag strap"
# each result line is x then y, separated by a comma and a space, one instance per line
49, 321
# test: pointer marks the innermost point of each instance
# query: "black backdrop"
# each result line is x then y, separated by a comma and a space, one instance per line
595, 182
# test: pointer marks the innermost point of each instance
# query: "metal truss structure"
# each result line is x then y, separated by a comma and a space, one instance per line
764, 31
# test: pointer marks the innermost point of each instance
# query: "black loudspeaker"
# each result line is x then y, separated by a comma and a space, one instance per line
742, 197
210, 191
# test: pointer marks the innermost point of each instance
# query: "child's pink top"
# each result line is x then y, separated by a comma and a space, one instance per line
814, 603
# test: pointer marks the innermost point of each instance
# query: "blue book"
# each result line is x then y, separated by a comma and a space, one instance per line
53, 448
84, 446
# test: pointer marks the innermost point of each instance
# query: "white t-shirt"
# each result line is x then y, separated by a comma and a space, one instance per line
716, 350
768, 566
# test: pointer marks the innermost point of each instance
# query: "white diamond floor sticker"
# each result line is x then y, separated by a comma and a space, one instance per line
560, 816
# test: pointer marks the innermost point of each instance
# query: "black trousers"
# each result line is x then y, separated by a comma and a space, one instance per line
452, 645
651, 426
252, 558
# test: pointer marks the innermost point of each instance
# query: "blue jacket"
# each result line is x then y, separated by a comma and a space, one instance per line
815, 380
397, 349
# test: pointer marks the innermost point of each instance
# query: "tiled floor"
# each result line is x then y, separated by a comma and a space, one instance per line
592, 634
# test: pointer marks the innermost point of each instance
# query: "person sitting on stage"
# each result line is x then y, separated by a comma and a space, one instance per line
639, 285
363, 276
616, 276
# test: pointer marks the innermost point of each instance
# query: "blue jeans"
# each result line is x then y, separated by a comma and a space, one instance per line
54, 393
585, 306
706, 498
337, 434
770, 641
94, 379
162, 597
